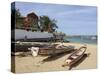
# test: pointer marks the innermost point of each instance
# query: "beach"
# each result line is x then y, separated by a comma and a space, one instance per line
33, 64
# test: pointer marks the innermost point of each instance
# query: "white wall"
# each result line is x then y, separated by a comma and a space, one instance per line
20, 34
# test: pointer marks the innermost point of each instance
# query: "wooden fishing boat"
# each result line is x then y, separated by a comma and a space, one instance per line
75, 56
51, 50
55, 50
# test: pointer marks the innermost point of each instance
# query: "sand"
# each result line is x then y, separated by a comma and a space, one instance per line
33, 64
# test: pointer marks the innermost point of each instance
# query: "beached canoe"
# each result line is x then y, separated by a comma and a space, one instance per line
51, 50
75, 56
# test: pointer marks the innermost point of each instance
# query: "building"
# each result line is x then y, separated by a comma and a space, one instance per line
30, 22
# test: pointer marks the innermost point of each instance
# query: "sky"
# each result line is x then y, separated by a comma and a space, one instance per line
71, 19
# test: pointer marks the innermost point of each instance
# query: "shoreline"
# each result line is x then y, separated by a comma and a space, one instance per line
84, 43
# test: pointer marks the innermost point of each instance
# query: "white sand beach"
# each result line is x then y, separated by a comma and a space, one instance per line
33, 64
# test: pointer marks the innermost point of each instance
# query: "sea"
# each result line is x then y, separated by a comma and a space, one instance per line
82, 39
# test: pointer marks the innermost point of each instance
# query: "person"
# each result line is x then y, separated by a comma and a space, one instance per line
25, 37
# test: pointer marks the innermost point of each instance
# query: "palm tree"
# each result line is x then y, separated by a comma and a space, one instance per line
17, 13
47, 24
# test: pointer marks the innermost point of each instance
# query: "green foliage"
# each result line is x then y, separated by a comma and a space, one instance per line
17, 13
47, 24
18, 19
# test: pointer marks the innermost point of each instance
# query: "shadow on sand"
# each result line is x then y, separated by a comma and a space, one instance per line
54, 57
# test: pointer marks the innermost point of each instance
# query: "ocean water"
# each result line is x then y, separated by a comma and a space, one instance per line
81, 40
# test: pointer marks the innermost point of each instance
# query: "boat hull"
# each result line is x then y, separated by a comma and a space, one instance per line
76, 57
53, 51
72, 63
